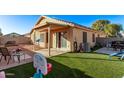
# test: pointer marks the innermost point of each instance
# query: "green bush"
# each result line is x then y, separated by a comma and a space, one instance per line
97, 46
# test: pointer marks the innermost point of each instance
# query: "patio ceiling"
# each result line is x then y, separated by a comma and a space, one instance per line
54, 27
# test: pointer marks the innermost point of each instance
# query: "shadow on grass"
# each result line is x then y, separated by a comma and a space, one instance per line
62, 71
58, 71
22, 71
89, 58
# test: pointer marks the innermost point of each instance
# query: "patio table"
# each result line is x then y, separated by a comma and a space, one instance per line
18, 55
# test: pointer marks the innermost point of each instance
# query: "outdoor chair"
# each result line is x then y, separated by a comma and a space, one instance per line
108, 45
5, 53
119, 54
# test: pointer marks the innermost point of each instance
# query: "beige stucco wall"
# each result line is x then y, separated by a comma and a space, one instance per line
78, 36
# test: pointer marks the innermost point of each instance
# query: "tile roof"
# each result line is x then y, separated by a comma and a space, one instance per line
70, 22
53, 20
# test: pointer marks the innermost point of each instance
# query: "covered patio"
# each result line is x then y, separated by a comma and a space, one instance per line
55, 38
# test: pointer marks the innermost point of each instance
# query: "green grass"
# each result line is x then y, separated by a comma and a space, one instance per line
75, 65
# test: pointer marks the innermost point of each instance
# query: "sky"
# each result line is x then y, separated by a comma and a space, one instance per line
22, 24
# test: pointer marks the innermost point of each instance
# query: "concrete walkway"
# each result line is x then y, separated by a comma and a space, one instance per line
14, 64
106, 51
29, 57
54, 52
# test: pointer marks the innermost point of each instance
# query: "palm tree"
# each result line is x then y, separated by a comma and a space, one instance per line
100, 24
112, 29
107, 27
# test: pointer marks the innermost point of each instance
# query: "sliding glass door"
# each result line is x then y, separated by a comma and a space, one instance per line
61, 40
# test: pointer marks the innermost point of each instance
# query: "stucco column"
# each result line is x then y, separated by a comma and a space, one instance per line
34, 39
49, 36
71, 39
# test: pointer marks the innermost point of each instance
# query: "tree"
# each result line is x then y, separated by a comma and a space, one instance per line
100, 25
112, 29
107, 27
1, 32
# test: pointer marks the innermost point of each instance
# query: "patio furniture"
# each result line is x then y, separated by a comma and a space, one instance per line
5, 53
113, 54
119, 54
118, 45
10, 43
122, 57
18, 55
108, 45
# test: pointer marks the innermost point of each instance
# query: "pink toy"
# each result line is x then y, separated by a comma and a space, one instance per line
49, 67
2, 74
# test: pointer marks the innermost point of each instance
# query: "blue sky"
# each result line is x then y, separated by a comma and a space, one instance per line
23, 23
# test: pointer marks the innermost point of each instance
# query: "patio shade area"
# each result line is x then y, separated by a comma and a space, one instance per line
75, 65
50, 28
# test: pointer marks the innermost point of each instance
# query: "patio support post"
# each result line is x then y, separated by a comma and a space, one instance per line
49, 41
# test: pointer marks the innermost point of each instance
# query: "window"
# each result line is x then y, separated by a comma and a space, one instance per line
42, 37
93, 37
46, 37
84, 37
64, 39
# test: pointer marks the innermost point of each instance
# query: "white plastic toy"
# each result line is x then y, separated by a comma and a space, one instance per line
40, 63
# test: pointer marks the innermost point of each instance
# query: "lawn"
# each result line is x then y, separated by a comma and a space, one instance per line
75, 65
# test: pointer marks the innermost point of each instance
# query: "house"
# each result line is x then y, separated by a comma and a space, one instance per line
60, 34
